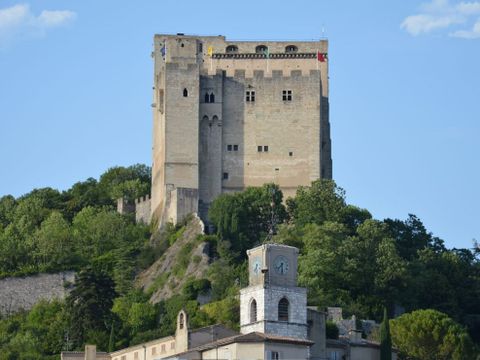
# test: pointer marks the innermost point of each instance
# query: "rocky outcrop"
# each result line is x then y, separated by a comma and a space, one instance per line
187, 258
22, 293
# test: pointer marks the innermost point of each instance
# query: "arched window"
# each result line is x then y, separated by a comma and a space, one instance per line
185, 92
181, 321
283, 309
261, 49
253, 311
207, 98
291, 49
212, 97
231, 49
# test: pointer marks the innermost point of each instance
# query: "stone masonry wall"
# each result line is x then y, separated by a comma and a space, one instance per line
24, 292
143, 209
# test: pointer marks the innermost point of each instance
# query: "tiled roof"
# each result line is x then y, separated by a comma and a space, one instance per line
253, 337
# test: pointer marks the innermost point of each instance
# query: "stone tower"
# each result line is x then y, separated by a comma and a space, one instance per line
272, 303
231, 114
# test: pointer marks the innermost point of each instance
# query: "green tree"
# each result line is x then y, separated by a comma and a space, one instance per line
331, 330
385, 338
98, 230
53, 242
131, 182
7, 210
244, 219
430, 335
89, 304
320, 202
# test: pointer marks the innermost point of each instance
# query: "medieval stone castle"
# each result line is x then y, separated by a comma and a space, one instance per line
232, 114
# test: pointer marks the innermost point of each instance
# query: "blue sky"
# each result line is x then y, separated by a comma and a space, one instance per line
76, 77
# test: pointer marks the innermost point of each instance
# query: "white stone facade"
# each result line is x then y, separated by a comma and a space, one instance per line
268, 291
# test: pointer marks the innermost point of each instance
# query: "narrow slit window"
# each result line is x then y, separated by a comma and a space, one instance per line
207, 98
181, 321
225, 176
185, 92
212, 98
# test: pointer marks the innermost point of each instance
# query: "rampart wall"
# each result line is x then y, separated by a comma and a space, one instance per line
17, 293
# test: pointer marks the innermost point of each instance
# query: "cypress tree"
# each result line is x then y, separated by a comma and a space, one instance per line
111, 340
385, 338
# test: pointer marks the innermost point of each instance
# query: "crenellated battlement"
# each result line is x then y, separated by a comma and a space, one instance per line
235, 114
142, 199
239, 74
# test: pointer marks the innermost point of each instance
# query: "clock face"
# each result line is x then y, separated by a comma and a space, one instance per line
256, 266
281, 265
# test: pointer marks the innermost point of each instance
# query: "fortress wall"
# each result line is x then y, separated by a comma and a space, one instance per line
17, 293
143, 210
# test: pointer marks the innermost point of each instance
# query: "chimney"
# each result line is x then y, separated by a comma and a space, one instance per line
355, 336
90, 352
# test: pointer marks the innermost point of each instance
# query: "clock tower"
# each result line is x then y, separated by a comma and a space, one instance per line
273, 303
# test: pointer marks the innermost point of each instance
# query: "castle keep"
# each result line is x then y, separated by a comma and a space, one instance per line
232, 114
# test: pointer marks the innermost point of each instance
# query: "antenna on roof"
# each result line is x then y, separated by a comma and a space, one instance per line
323, 32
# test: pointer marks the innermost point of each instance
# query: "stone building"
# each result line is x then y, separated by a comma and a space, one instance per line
275, 323
232, 114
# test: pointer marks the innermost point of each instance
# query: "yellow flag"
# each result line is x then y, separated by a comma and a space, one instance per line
210, 51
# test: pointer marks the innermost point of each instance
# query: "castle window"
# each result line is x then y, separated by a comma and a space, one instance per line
261, 49
291, 49
287, 95
235, 147
265, 148
253, 311
290, 153
259, 148
274, 355
250, 96
185, 92
229, 147
209, 98
181, 321
283, 309
231, 49
225, 176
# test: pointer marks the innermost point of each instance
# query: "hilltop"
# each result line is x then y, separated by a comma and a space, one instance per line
132, 279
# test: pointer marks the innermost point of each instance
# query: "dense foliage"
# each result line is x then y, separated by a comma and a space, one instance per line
347, 259
350, 260
48, 230
430, 335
